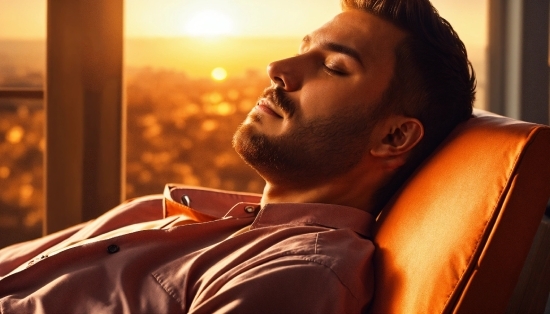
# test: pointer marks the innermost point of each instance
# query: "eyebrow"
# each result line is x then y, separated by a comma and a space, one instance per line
332, 46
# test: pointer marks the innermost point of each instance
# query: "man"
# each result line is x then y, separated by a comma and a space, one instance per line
368, 96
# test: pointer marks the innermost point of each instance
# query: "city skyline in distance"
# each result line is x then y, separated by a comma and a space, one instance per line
196, 57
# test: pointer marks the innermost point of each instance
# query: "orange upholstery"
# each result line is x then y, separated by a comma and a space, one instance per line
456, 236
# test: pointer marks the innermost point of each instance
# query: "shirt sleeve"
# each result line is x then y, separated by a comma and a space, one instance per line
284, 286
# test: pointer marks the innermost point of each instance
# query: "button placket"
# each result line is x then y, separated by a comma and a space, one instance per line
36, 260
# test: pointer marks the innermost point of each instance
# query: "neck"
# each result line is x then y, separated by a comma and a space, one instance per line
356, 189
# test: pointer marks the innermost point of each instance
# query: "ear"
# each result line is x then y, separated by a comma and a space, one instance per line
399, 134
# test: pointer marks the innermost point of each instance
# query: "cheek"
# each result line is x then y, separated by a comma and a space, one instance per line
330, 101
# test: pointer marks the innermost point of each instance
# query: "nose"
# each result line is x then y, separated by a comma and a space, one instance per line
287, 73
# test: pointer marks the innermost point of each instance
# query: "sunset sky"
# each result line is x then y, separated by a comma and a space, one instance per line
25, 19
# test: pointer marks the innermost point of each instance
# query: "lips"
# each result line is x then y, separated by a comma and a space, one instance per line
278, 102
265, 106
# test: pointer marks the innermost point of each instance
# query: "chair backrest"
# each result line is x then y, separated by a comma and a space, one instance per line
456, 236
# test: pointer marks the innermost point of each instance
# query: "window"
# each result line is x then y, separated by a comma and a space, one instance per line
193, 71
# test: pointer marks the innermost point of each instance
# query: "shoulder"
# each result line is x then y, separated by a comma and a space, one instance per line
289, 284
326, 271
349, 256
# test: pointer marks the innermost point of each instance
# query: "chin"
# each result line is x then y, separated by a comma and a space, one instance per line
242, 142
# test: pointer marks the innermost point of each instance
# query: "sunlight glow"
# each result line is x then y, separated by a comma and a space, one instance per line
219, 74
209, 23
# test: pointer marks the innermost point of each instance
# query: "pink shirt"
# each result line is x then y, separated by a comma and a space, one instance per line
221, 254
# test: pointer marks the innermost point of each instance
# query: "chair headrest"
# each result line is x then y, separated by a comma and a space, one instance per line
481, 194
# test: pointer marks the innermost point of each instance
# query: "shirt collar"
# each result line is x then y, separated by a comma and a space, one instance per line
326, 215
210, 204
206, 204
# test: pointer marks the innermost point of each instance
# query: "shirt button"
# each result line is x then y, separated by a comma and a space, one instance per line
112, 249
250, 209
185, 200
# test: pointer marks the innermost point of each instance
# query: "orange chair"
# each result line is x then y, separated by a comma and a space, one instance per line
457, 235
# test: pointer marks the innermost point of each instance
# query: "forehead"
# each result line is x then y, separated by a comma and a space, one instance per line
371, 36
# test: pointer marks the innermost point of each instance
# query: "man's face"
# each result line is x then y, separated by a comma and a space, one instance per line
315, 121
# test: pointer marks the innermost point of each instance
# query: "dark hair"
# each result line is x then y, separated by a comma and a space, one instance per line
433, 79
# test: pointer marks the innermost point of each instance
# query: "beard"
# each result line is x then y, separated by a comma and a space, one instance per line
319, 149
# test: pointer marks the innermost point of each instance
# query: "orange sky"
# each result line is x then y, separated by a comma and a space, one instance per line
25, 19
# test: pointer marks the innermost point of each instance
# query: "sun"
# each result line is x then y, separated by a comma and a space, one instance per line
209, 23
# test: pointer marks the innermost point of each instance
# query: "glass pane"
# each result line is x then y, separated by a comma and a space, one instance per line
22, 64
195, 68
21, 170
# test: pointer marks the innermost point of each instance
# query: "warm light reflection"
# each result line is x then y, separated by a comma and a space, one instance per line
209, 23
219, 74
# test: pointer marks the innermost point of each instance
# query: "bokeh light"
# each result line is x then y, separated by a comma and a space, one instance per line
219, 74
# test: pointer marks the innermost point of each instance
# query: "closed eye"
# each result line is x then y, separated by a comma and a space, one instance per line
334, 71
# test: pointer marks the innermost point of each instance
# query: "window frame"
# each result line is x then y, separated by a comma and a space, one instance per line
85, 116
